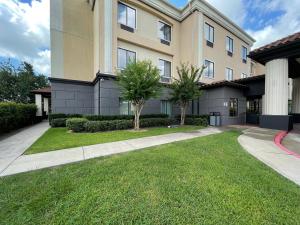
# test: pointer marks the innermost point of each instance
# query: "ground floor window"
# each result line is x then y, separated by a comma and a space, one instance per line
165, 107
125, 107
233, 107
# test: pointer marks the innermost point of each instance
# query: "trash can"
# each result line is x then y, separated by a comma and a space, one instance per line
215, 119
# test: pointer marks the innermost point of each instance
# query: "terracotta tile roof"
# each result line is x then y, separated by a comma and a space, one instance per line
281, 42
43, 90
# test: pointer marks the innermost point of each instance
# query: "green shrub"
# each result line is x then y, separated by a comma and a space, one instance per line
107, 125
197, 121
156, 122
76, 124
53, 116
16, 115
59, 122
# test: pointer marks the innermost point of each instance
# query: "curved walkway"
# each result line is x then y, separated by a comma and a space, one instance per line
14, 144
260, 143
49, 159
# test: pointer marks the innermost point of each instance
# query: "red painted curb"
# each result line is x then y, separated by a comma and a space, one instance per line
278, 139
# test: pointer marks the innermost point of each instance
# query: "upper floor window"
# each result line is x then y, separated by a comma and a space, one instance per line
229, 45
243, 75
209, 70
233, 107
124, 57
209, 34
126, 15
165, 70
229, 74
164, 32
244, 54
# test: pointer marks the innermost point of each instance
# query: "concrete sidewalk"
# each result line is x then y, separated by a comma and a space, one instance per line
260, 143
48, 159
13, 145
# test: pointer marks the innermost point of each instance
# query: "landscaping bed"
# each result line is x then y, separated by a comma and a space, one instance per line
207, 180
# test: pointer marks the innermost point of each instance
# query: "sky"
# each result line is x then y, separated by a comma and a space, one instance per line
25, 35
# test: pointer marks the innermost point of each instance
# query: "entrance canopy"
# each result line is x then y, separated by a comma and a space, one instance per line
288, 47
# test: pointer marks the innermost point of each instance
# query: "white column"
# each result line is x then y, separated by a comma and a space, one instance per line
38, 102
296, 96
276, 87
108, 36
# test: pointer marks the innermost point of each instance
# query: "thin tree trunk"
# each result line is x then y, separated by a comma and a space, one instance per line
137, 113
183, 111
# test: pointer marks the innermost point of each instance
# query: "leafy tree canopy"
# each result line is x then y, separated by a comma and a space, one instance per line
16, 84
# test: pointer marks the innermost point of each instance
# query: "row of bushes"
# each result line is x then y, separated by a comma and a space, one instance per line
82, 124
102, 117
16, 115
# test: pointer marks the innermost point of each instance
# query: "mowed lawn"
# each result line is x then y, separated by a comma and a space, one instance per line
207, 180
60, 138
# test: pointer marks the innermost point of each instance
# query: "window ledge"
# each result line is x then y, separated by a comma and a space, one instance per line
209, 44
127, 28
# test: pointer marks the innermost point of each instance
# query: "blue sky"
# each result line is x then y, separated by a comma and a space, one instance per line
24, 25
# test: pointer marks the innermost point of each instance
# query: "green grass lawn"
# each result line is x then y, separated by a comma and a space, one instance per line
207, 180
60, 138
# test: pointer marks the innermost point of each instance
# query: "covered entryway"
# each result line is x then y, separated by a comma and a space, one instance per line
282, 61
43, 101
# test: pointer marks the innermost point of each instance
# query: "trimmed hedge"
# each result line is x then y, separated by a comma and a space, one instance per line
59, 122
16, 115
102, 117
76, 124
108, 125
157, 122
53, 116
196, 121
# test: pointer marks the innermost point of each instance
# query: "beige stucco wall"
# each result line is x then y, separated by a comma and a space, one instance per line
79, 40
72, 40
257, 68
218, 54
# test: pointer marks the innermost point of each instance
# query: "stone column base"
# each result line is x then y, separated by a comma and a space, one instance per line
276, 122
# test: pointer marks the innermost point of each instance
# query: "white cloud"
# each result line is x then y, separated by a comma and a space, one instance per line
234, 9
25, 32
288, 23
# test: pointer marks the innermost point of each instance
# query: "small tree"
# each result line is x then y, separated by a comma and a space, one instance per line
139, 82
186, 87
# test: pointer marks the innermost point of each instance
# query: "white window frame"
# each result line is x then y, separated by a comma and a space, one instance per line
119, 68
170, 78
243, 47
158, 30
213, 74
229, 39
120, 2
209, 28
227, 69
244, 75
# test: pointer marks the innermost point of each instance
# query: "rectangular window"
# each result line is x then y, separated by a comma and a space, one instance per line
124, 57
164, 31
229, 74
243, 75
126, 15
244, 54
209, 34
233, 107
209, 70
254, 106
229, 45
165, 71
125, 107
165, 107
